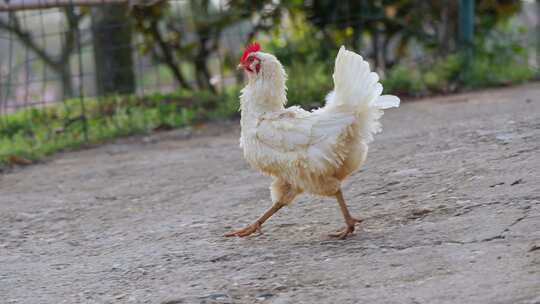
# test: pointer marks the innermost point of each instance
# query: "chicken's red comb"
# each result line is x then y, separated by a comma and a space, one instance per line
254, 47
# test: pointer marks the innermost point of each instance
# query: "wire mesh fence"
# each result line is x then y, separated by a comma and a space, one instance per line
72, 74
51, 56
79, 71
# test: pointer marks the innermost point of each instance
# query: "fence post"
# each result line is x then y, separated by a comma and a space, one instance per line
7, 85
466, 25
81, 84
538, 34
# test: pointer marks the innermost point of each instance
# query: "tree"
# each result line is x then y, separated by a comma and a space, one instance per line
175, 40
390, 25
59, 63
112, 36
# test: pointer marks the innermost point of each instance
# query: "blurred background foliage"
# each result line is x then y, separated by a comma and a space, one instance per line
152, 65
413, 44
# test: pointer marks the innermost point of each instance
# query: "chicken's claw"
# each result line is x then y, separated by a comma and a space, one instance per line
248, 230
348, 230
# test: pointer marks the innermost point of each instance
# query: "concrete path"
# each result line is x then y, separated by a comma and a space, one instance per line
450, 196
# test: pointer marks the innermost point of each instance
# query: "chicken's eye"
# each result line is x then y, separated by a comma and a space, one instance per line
250, 59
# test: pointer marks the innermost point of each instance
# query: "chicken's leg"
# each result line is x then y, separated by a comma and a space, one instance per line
349, 220
286, 196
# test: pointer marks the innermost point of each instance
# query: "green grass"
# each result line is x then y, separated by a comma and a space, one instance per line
32, 133
456, 73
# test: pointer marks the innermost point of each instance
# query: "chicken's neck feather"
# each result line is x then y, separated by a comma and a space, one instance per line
264, 93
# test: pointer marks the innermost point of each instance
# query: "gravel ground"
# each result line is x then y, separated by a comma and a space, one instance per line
450, 197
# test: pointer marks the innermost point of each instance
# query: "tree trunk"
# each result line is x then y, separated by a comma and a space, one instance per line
375, 41
112, 33
202, 73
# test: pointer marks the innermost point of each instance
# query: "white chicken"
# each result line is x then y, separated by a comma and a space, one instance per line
306, 151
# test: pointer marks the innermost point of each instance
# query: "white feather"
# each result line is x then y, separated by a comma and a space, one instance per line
387, 101
357, 90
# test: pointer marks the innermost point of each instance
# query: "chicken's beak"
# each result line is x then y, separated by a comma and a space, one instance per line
239, 66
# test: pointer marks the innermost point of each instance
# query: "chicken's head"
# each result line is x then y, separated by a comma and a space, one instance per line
260, 65
250, 61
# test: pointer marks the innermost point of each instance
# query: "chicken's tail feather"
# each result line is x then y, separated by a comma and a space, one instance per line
357, 89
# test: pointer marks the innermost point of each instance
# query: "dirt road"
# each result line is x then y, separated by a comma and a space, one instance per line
450, 196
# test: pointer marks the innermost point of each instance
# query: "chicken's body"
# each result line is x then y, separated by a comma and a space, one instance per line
314, 151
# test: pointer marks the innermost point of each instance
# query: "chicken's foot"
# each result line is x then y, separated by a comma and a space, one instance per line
250, 229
